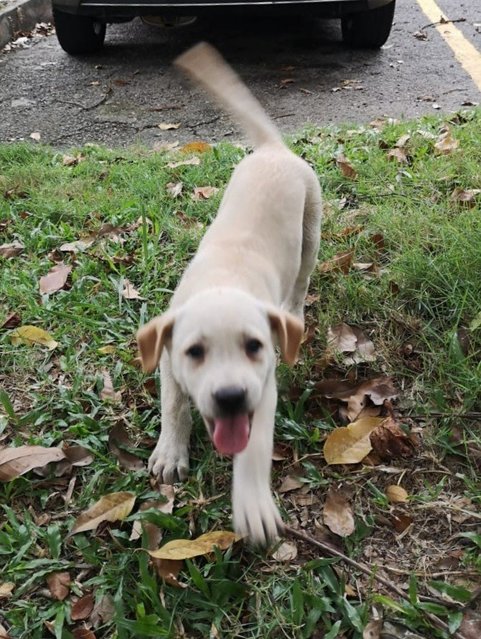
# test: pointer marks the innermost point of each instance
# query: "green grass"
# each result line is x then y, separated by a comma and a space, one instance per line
427, 295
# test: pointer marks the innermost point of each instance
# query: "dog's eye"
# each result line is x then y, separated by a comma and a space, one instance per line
197, 351
253, 346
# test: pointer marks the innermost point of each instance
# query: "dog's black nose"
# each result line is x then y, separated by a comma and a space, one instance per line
230, 399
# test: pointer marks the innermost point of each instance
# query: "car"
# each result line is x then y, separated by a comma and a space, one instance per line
81, 24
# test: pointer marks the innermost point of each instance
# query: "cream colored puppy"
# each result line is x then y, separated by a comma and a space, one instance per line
243, 292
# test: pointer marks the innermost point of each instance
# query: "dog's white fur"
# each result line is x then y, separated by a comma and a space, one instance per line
248, 280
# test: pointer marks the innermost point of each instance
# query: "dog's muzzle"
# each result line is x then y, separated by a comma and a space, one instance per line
230, 428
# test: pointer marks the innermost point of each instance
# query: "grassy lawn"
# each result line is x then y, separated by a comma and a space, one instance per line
400, 261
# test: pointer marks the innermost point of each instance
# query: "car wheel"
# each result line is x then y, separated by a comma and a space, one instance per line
368, 29
78, 34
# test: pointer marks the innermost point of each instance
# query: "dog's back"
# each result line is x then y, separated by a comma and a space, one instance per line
207, 67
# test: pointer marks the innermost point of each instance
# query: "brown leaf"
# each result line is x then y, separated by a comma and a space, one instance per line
18, 461
11, 321
470, 627
466, 197
77, 245
204, 192
287, 551
129, 292
397, 154
401, 521
6, 589
174, 189
351, 339
389, 441
446, 144
168, 570
104, 611
377, 390
55, 279
340, 262
337, 513
59, 585
396, 494
82, 608
11, 250
78, 455
373, 629
108, 392
403, 140
350, 444
118, 440
346, 167
3, 633
190, 162
83, 633
290, 483
111, 507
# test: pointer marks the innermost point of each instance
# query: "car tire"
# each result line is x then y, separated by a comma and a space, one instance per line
368, 29
78, 34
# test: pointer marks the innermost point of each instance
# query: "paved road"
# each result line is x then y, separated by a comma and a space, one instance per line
298, 68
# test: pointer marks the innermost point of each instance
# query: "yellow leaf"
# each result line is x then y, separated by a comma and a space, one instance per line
196, 147
396, 494
108, 349
350, 444
203, 545
32, 335
111, 507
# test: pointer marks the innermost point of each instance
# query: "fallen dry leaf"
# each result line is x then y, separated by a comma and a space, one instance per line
18, 461
3, 633
346, 167
340, 262
401, 521
55, 279
397, 154
467, 197
396, 494
104, 611
31, 335
77, 246
350, 444
188, 548
11, 321
287, 551
446, 143
174, 189
204, 192
337, 513
11, 250
111, 507
190, 162
83, 633
373, 629
119, 440
59, 585
6, 589
168, 570
130, 292
195, 147
290, 483
78, 455
168, 126
470, 627
389, 441
351, 339
82, 608
108, 392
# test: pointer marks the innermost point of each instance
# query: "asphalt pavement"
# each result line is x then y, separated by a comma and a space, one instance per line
297, 67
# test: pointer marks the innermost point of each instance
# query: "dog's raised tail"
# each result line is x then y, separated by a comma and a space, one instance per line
207, 67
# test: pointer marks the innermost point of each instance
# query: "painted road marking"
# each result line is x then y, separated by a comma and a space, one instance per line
466, 54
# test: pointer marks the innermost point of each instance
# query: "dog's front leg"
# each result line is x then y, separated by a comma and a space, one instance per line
170, 459
255, 513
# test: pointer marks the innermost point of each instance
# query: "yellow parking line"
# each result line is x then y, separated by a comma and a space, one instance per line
467, 55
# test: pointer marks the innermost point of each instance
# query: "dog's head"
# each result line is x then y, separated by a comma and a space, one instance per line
221, 347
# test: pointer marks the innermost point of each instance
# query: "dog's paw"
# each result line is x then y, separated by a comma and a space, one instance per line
169, 462
256, 517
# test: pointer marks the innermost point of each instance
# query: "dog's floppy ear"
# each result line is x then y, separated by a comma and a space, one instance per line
289, 330
152, 338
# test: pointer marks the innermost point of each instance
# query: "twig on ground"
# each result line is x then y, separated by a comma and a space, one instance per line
88, 107
436, 24
330, 550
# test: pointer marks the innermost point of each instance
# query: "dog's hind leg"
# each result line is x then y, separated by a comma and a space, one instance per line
170, 458
311, 235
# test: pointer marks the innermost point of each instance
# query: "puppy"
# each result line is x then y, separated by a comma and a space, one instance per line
242, 293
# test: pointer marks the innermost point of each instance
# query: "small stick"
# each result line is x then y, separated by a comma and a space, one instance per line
330, 550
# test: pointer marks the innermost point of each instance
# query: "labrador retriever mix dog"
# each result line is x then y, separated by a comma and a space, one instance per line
242, 294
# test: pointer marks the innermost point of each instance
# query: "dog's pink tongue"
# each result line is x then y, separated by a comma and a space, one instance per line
231, 434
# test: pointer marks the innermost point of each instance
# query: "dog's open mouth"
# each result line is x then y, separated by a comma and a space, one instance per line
230, 434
